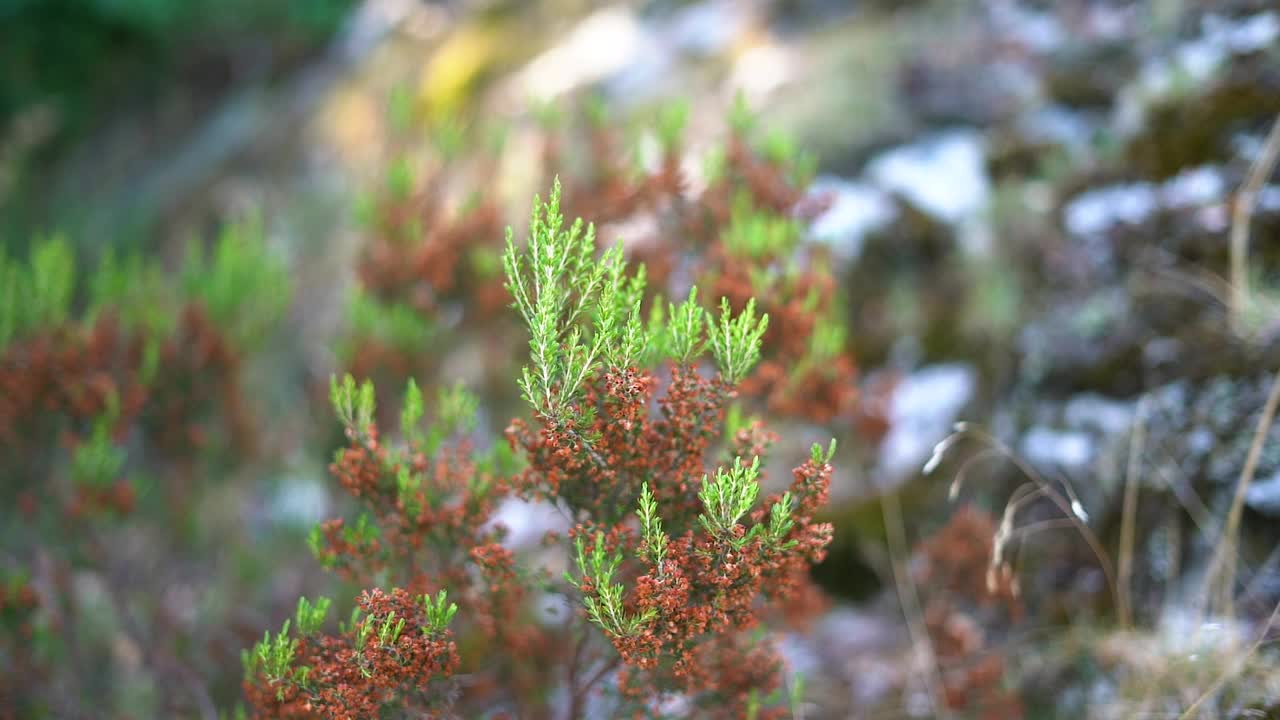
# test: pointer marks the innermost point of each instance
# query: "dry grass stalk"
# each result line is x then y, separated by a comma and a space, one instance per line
1246, 200
1128, 516
1220, 580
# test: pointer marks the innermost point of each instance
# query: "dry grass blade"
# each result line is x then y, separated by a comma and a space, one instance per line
1242, 214
1128, 514
1067, 502
1222, 568
910, 599
1234, 667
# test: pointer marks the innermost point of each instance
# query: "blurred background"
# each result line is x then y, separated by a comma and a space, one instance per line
1055, 221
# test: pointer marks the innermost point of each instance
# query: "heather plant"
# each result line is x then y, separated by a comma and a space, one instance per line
969, 592
737, 231
117, 389
70, 341
675, 561
428, 268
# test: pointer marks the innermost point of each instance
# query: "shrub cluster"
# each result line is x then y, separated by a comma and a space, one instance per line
675, 559
429, 267
738, 233
673, 571
114, 385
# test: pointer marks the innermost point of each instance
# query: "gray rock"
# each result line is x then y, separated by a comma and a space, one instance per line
611, 46
1098, 412
1058, 448
1264, 496
301, 501
706, 28
926, 404
944, 175
527, 522
856, 209
1097, 211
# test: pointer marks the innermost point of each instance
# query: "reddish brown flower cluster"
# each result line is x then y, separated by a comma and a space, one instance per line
358, 673
17, 600
795, 290
118, 498
964, 594
769, 183
432, 529
425, 530
427, 511
425, 256
603, 187
57, 383
427, 265
194, 394
957, 561
707, 591
821, 393
73, 398
705, 595
67, 375
598, 468
18, 604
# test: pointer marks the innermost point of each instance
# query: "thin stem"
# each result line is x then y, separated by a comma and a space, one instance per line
1064, 505
1128, 516
591, 452
580, 695
1235, 667
575, 699
1222, 570
1242, 213
920, 640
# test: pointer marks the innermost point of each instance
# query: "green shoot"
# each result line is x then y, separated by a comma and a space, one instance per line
684, 331
354, 407
439, 613
604, 605
728, 496
558, 287
735, 342
309, 617
655, 540
240, 273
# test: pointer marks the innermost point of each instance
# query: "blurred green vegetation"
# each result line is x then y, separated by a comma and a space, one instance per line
84, 81
134, 46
